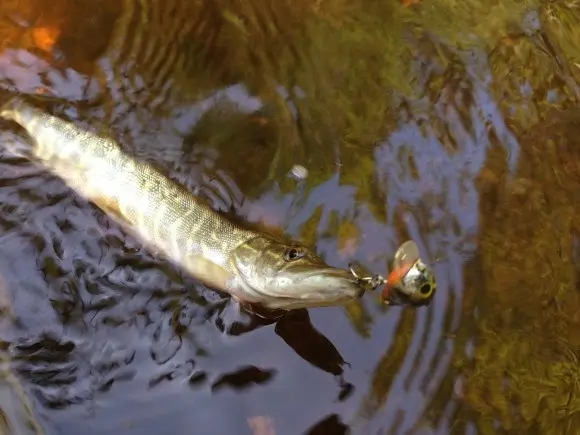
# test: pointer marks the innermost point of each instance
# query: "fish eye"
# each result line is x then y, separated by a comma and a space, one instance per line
293, 254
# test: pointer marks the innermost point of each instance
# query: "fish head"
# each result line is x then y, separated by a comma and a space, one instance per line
288, 275
411, 282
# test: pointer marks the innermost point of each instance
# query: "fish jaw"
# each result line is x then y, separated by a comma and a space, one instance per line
319, 287
266, 274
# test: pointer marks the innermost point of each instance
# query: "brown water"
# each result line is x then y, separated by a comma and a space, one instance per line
455, 124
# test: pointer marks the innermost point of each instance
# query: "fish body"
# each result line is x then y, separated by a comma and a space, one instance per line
253, 267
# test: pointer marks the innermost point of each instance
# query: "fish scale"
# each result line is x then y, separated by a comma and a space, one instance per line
252, 266
127, 189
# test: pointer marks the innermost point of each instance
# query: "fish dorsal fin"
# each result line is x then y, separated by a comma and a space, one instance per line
110, 206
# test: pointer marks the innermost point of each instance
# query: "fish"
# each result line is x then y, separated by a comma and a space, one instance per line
412, 281
254, 267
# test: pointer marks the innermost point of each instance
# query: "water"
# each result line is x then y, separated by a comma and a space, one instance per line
461, 139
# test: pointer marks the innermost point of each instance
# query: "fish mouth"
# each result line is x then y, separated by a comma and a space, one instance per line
315, 287
330, 283
307, 288
332, 272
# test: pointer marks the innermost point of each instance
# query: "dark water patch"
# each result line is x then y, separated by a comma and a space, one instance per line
329, 425
243, 378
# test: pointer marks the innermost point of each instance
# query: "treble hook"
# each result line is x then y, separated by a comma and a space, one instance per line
373, 281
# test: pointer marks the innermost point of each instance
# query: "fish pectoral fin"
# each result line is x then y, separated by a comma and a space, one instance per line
216, 277
209, 273
110, 206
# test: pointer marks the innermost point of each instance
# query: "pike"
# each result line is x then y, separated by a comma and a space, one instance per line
253, 267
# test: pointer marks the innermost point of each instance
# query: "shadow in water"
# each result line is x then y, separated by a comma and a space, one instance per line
296, 330
329, 425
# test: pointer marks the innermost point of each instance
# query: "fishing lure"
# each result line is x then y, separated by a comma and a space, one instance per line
411, 282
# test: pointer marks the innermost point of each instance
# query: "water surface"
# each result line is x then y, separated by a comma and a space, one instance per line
457, 129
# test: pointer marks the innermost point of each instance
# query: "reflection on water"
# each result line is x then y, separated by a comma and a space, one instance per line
465, 142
